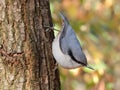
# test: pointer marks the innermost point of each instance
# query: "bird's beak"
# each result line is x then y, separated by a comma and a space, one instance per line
90, 67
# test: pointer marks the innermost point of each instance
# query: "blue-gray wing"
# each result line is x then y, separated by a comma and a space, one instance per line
70, 45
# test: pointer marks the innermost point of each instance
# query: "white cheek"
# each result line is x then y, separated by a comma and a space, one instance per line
64, 60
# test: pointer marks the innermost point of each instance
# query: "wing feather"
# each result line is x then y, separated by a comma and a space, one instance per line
71, 46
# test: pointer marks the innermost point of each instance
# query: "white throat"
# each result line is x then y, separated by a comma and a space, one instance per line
63, 59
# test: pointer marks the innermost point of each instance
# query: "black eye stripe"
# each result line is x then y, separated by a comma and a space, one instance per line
73, 58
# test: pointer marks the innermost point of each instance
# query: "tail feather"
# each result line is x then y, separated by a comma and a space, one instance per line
64, 17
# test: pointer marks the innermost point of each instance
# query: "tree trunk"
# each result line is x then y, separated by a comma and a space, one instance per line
26, 61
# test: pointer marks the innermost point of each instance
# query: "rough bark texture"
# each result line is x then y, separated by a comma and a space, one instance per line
26, 61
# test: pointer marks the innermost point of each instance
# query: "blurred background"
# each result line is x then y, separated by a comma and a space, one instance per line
97, 25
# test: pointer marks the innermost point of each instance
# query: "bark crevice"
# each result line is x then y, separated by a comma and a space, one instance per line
26, 61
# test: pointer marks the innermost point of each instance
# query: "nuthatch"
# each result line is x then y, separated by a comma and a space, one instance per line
66, 48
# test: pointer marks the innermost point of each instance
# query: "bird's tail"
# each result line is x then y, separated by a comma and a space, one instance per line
64, 18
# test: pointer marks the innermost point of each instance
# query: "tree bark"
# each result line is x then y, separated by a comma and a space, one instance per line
26, 61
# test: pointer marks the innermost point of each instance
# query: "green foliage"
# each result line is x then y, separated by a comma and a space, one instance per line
97, 25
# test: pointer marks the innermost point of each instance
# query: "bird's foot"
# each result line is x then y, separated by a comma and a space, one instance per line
49, 28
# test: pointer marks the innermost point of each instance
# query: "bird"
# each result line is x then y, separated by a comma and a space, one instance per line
66, 48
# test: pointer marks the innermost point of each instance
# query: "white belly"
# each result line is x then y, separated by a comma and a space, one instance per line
63, 59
